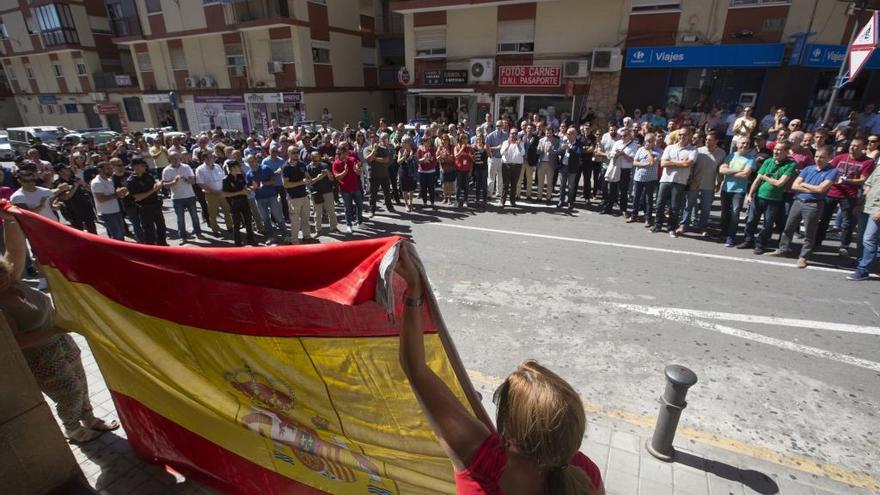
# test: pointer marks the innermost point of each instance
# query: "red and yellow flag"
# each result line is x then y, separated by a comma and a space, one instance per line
256, 370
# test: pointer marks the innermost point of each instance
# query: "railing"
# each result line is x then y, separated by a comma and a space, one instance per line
126, 26
105, 80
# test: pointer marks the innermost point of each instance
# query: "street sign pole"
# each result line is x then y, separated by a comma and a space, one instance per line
839, 81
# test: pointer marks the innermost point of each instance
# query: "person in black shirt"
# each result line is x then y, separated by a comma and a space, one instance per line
129, 207
145, 190
236, 187
77, 205
322, 192
295, 178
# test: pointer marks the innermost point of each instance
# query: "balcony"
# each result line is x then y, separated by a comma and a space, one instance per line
124, 27
243, 11
107, 80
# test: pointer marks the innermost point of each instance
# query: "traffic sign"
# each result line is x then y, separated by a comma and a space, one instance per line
867, 37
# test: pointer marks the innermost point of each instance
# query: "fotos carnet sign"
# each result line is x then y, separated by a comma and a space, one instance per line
536, 76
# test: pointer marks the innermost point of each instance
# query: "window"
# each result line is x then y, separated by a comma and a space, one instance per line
10, 73
133, 109
773, 24
143, 61
736, 3
655, 5
4, 35
282, 51
368, 56
516, 36
57, 70
154, 6
71, 108
81, 69
319, 2
320, 53
178, 58
56, 24
234, 55
431, 42
29, 71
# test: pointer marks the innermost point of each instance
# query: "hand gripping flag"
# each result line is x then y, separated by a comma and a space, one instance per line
256, 371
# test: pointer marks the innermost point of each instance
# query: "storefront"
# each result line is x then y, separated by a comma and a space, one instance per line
209, 112
854, 95
530, 89
286, 108
160, 109
112, 112
442, 97
697, 76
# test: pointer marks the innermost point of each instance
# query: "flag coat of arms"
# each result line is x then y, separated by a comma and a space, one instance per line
263, 370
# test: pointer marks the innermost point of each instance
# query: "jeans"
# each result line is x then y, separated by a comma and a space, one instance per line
768, 208
567, 188
114, 224
705, 197
299, 218
731, 207
669, 194
643, 198
393, 168
153, 223
509, 175
495, 183
462, 183
354, 206
618, 192
131, 213
180, 207
481, 175
270, 210
385, 184
810, 212
427, 186
847, 217
241, 217
869, 243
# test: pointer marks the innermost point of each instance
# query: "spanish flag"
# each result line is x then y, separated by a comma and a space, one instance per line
257, 370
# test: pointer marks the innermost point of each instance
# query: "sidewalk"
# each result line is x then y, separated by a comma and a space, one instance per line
616, 446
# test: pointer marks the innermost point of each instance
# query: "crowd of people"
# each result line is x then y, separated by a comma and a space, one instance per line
666, 172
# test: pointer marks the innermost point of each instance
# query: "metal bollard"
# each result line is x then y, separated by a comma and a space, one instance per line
678, 380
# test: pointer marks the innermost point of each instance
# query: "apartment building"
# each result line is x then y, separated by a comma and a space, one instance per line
240, 64
470, 57
59, 61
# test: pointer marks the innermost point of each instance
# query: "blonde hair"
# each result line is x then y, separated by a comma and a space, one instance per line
543, 416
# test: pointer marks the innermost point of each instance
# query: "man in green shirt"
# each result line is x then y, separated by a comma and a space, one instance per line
765, 196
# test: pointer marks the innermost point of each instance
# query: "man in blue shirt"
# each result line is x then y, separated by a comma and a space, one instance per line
275, 162
810, 189
268, 178
494, 140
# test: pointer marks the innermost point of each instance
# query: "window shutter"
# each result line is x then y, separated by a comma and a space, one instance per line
521, 31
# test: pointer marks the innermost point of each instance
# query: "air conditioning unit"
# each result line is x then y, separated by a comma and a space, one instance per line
191, 82
575, 68
207, 82
607, 60
481, 70
236, 71
276, 67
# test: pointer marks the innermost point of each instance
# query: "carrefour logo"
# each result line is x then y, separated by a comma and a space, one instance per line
639, 55
817, 52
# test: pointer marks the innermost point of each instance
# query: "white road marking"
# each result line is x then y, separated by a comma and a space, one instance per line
763, 339
746, 318
636, 246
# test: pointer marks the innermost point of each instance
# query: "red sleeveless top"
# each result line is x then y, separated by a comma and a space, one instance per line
481, 477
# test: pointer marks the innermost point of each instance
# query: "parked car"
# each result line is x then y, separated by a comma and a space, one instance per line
168, 132
7, 154
99, 137
22, 138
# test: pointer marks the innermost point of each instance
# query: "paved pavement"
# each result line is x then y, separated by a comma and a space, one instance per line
789, 386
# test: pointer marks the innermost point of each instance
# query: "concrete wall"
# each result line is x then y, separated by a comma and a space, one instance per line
17, 30
829, 22
704, 19
205, 57
258, 52
344, 14
345, 54
33, 113
83, 27
572, 27
9, 115
183, 15
469, 33
302, 52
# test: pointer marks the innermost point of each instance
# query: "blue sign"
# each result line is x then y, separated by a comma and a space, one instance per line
47, 100
668, 57
831, 56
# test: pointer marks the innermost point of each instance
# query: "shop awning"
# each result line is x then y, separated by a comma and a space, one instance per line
831, 56
706, 56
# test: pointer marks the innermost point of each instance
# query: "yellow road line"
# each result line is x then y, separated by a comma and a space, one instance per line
791, 461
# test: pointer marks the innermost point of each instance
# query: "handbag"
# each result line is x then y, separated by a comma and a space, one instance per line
612, 173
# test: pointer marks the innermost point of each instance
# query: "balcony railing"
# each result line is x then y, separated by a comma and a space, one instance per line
254, 10
126, 26
106, 80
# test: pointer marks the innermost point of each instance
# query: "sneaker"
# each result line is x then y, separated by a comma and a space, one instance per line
729, 242
802, 263
342, 230
778, 253
655, 229
745, 245
674, 234
843, 252
758, 251
858, 276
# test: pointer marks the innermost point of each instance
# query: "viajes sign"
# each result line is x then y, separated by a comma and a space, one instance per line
535, 76
757, 55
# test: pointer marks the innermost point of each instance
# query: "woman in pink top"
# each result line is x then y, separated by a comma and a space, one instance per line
540, 420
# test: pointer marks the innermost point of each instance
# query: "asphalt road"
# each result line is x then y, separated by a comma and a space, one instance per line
787, 359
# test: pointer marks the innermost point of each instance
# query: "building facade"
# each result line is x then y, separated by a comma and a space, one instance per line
470, 57
199, 64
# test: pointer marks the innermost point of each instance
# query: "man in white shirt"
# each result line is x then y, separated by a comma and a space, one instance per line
107, 202
204, 145
512, 156
677, 161
180, 178
494, 141
209, 176
622, 153
35, 198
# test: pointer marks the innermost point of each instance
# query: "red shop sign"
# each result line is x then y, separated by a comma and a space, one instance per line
537, 76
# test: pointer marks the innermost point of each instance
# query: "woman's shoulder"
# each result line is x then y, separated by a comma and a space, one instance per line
588, 466
486, 465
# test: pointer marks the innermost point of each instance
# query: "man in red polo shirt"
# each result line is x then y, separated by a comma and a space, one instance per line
853, 169
347, 170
